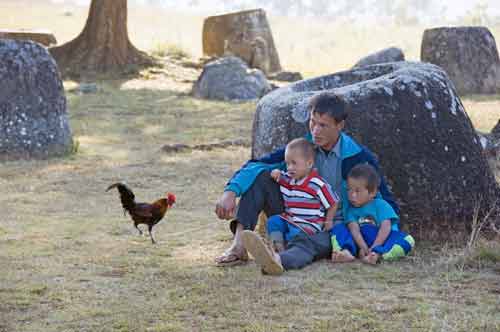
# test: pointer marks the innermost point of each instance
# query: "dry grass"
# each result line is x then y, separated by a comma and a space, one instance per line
333, 45
72, 262
75, 263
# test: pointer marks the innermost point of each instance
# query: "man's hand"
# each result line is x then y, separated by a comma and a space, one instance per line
275, 174
226, 205
328, 225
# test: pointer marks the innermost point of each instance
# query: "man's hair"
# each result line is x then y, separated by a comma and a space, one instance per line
366, 172
302, 145
329, 103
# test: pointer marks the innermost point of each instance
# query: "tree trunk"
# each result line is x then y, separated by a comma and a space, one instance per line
103, 45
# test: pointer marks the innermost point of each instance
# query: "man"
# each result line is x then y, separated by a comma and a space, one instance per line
336, 154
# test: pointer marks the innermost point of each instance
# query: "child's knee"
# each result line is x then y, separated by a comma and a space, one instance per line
275, 224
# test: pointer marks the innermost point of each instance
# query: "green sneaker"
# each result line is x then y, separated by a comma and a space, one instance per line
263, 254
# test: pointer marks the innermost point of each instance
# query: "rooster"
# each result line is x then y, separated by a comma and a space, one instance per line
143, 213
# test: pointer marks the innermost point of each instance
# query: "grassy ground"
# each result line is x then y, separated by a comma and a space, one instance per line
73, 262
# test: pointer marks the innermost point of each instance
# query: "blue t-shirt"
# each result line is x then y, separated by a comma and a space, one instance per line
373, 212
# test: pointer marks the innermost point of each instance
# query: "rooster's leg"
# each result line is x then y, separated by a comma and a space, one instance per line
140, 232
150, 228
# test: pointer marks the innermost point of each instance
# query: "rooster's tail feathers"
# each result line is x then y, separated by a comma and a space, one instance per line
127, 197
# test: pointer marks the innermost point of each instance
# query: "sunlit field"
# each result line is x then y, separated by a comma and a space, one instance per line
73, 262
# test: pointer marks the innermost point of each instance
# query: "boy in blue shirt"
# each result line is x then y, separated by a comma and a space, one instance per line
370, 229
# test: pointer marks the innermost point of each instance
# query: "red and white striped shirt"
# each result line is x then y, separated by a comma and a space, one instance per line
307, 200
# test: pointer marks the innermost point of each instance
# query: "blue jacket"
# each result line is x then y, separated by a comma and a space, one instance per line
352, 153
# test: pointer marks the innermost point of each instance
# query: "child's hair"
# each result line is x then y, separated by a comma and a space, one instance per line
329, 103
368, 173
302, 145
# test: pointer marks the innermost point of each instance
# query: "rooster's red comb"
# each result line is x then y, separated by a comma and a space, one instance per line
171, 197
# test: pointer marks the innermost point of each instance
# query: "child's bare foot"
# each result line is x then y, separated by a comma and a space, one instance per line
278, 247
343, 256
372, 258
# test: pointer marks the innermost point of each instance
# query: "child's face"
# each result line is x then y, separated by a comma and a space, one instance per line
297, 165
358, 193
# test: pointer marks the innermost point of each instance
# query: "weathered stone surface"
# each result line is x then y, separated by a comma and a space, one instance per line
286, 76
245, 34
44, 37
391, 54
33, 117
410, 115
496, 131
468, 55
230, 78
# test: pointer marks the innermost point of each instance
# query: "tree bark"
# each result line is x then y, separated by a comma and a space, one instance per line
103, 45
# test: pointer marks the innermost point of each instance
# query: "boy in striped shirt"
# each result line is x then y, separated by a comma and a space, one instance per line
310, 204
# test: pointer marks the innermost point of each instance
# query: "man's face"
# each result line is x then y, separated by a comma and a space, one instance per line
325, 130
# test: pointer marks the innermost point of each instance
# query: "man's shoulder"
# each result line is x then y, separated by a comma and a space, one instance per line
353, 150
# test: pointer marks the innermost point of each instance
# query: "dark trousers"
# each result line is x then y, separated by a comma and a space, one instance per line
264, 195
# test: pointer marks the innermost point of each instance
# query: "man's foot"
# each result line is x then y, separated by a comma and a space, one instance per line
264, 256
232, 257
372, 258
343, 256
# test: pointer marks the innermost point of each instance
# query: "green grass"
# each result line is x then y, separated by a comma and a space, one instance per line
73, 262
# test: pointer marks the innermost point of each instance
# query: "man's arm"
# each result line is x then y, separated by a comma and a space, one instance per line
225, 208
246, 175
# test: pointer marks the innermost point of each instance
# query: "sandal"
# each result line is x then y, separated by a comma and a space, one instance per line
262, 252
228, 259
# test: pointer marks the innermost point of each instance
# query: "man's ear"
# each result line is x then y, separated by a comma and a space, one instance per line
341, 124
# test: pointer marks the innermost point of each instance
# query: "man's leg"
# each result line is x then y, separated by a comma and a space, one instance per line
263, 195
304, 249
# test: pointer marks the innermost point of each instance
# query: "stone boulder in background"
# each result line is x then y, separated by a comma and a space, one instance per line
244, 34
410, 115
495, 132
33, 117
230, 78
469, 56
391, 54
44, 37
286, 76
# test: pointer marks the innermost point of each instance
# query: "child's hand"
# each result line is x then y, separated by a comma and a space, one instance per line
275, 174
363, 252
328, 225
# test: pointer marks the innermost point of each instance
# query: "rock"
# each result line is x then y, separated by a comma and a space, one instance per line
244, 34
286, 76
391, 54
410, 115
230, 78
87, 88
33, 116
44, 37
495, 132
468, 55
489, 144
